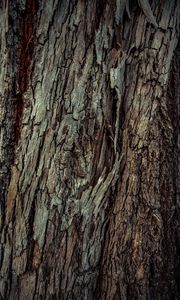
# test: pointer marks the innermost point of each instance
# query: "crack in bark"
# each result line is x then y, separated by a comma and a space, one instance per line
24, 58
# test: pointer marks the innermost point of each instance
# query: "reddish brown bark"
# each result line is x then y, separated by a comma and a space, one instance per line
27, 19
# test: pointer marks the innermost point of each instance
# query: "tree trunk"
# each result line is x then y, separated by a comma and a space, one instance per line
89, 149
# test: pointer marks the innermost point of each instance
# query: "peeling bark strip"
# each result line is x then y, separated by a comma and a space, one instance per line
24, 57
122, 5
91, 209
148, 12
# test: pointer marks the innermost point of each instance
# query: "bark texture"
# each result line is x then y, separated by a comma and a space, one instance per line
89, 149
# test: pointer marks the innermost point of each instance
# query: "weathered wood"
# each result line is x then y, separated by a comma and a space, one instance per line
89, 150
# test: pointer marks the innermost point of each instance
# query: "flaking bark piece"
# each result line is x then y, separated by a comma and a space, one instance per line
144, 4
120, 8
127, 9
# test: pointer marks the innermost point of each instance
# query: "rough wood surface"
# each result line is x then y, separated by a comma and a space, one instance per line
89, 150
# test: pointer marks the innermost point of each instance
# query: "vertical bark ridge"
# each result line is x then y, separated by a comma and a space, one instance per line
20, 21
141, 221
174, 113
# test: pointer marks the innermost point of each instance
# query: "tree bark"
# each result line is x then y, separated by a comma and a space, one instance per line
89, 149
